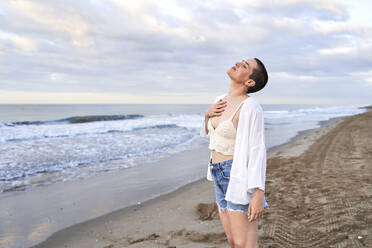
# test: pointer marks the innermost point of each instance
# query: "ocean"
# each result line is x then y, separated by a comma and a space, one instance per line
47, 143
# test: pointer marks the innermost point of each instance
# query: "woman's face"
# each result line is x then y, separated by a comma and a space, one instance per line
241, 71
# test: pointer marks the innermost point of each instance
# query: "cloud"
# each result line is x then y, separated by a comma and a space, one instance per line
25, 44
180, 47
307, 9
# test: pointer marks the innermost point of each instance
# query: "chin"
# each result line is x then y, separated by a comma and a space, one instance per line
229, 73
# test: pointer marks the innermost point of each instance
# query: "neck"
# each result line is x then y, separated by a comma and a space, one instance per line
236, 90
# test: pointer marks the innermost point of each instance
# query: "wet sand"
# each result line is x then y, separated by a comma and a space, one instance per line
318, 188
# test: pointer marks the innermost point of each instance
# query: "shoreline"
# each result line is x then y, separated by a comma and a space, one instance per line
27, 221
293, 148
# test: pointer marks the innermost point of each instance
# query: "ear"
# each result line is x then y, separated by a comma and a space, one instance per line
250, 83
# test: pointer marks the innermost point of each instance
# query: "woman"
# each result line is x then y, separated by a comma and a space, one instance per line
237, 166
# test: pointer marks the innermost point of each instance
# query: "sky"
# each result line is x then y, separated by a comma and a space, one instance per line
177, 51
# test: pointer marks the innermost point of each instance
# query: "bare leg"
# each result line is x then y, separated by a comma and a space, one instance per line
244, 233
224, 217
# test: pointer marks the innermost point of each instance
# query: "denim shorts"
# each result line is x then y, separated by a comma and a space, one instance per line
221, 176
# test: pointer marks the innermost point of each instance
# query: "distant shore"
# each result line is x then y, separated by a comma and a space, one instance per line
318, 187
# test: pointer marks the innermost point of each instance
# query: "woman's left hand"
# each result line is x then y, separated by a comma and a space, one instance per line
256, 206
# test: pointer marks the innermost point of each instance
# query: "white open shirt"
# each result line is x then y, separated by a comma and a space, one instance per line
248, 169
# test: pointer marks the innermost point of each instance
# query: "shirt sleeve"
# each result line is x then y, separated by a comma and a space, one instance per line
203, 133
257, 151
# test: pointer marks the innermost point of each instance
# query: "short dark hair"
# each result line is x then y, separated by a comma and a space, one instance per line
259, 75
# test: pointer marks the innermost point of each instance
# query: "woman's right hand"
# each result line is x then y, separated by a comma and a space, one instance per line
216, 109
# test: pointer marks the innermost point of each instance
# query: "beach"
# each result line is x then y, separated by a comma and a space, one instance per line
103, 135
318, 187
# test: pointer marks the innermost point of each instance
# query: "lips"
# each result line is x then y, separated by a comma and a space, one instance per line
234, 68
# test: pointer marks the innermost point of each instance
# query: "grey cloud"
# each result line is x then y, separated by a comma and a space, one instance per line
118, 51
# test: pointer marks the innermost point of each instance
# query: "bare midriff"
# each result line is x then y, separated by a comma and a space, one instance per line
219, 157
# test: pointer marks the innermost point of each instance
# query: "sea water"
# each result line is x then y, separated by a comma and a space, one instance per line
43, 144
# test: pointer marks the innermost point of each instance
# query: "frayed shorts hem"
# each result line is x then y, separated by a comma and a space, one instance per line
231, 209
221, 176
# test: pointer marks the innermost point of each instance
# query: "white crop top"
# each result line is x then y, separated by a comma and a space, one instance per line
222, 138
248, 169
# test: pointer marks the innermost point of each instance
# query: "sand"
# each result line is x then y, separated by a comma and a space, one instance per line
318, 187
